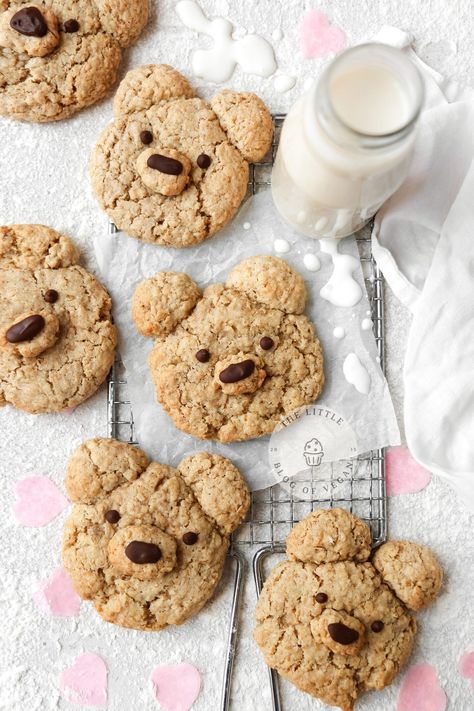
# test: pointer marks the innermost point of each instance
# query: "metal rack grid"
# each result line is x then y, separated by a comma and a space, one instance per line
275, 510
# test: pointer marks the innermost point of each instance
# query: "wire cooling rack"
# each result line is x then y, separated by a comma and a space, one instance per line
274, 511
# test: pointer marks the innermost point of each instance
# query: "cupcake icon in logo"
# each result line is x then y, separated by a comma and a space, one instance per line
313, 452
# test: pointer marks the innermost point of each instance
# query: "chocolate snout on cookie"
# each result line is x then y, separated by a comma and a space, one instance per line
31, 29
164, 170
145, 552
30, 333
340, 632
240, 374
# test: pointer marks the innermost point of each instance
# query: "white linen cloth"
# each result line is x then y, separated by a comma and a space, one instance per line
423, 241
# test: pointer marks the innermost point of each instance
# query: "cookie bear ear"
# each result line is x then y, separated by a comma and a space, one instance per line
122, 19
270, 281
149, 85
412, 571
219, 487
327, 536
35, 247
246, 121
162, 301
99, 466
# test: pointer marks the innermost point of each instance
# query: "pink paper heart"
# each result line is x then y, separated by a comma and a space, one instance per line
39, 501
85, 681
318, 37
176, 686
403, 474
420, 690
57, 597
466, 667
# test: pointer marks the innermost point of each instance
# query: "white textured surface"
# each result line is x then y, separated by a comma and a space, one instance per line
43, 178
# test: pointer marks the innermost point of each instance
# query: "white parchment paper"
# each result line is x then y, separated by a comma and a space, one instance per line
124, 262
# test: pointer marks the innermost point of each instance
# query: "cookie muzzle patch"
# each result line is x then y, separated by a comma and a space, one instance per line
32, 29
239, 374
144, 552
163, 170
340, 632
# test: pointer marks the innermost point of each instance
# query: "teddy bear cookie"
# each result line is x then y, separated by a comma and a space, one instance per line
172, 169
144, 542
57, 340
59, 57
229, 362
332, 621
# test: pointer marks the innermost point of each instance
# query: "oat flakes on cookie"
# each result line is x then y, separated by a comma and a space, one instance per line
57, 340
228, 363
333, 622
57, 57
172, 169
144, 542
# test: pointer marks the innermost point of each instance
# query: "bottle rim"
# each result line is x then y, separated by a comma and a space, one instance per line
321, 101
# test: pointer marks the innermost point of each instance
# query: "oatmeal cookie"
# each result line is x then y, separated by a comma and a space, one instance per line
57, 340
230, 362
57, 57
334, 623
172, 169
144, 542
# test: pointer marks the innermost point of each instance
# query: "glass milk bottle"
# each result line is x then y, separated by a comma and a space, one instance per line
346, 145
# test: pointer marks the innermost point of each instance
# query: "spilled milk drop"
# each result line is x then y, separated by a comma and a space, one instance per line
281, 246
311, 262
366, 324
339, 332
342, 289
283, 83
356, 374
252, 53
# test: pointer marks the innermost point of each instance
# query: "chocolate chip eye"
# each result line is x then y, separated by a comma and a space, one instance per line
71, 26
266, 343
190, 538
51, 296
146, 137
204, 161
203, 355
112, 516
377, 626
321, 598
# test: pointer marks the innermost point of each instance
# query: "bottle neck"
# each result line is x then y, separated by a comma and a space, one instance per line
340, 104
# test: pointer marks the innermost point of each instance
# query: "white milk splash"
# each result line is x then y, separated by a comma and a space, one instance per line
342, 289
311, 262
339, 332
252, 53
356, 374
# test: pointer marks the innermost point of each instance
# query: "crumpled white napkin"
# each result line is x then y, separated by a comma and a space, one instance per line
423, 241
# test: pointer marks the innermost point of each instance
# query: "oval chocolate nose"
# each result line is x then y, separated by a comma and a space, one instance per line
342, 634
30, 22
26, 329
142, 553
169, 166
237, 371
